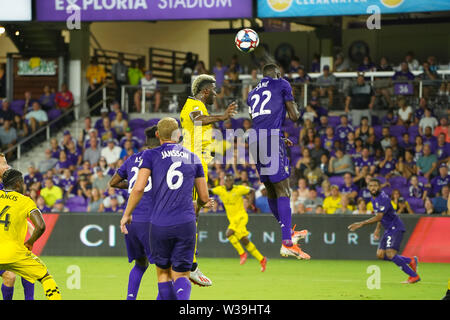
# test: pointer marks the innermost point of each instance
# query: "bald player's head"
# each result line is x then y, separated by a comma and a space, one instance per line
168, 130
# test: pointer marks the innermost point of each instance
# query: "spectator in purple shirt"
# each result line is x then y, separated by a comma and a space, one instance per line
367, 65
430, 139
403, 74
55, 148
74, 154
63, 163
219, 71
328, 139
441, 180
387, 165
129, 136
349, 188
405, 142
442, 149
365, 160
33, 176
67, 182
417, 189
343, 129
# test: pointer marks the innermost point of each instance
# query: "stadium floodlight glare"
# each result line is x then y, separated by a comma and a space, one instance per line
2, 30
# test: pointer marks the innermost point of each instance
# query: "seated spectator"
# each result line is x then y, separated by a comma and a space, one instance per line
323, 125
83, 187
299, 209
442, 149
55, 148
37, 117
344, 129
419, 113
384, 65
428, 78
313, 174
427, 121
74, 154
67, 183
365, 161
442, 128
47, 99
332, 202
8, 137
404, 73
341, 64
427, 163
63, 163
349, 188
407, 166
114, 205
325, 189
441, 180
346, 207
100, 180
440, 201
388, 164
326, 83
367, 65
324, 165
110, 193
107, 132
361, 207
341, 164
28, 102
33, 176
389, 119
413, 63
399, 203
417, 189
312, 201
303, 190
64, 98
418, 148
261, 201
51, 193
405, 112
127, 150
404, 143
301, 164
129, 136
59, 206
48, 163
328, 139
386, 138
85, 170
317, 151
115, 109
40, 203
95, 201
107, 169
104, 113
5, 112
93, 153
66, 140
429, 139
428, 204
151, 91
51, 175
364, 130
111, 152
249, 84
119, 124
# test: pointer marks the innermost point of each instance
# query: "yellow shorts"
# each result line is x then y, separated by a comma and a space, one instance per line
239, 226
30, 267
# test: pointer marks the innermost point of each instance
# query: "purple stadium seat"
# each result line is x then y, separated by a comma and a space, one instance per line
398, 182
334, 121
17, 106
388, 190
76, 204
137, 123
397, 131
152, 122
375, 120
416, 205
422, 180
289, 123
337, 180
53, 114
404, 191
140, 133
377, 130
381, 179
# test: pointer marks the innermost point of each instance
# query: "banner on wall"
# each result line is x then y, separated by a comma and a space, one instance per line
78, 234
36, 67
141, 10
308, 8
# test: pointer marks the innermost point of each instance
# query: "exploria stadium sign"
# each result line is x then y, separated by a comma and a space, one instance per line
302, 8
141, 10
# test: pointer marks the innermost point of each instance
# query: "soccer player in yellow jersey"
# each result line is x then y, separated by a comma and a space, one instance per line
15, 253
231, 196
197, 124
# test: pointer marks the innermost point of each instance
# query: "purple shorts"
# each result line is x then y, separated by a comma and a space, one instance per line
138, 241
173, 246
272, 165
391, 240
2, 272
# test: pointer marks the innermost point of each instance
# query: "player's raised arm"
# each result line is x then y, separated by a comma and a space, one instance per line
118, 182
357, 225
135, 196
39, 228
199, 119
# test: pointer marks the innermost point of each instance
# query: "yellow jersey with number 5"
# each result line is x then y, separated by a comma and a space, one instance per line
15, 208
197, 139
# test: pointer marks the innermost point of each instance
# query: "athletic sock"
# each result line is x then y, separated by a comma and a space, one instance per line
254, 252
273, 204
166, 291
284, 210
28, 289
50, 288
236, 244
134, 281
7, 292
182, 288
404, 266
194, 266
405, 259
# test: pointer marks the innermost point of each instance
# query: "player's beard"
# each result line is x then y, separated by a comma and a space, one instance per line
375, 194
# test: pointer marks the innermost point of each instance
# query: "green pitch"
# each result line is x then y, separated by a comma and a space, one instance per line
106, 278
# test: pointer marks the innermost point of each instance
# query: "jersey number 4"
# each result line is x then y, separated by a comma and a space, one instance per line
256, 98
6, 222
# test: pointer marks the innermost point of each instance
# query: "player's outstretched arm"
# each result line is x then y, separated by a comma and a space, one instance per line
118, 182
358, 225
39, 228
292, 110
204, 120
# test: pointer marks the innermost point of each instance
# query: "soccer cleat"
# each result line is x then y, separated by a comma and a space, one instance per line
298, 235
294, 251
263, 264
412, 280
197, 277
243, 258
414, 263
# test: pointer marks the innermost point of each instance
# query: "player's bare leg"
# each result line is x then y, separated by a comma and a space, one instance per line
284, 216
9, 279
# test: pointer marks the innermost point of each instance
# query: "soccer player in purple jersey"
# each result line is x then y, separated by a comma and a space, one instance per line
269, 101
138, 238
393, 232
174, 172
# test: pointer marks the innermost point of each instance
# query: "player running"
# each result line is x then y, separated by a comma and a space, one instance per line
174, 172
231, 196
269, 101
197, 127
138, 237
16, 255
8, 277
393, 232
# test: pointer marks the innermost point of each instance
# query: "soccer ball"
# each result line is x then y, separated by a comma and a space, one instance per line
246, 40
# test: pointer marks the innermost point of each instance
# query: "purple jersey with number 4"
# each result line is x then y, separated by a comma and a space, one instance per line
129, 171
173, 171
390, 221
267, 103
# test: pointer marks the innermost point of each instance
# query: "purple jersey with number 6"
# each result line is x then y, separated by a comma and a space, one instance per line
267, 103
173, 172
129, 171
